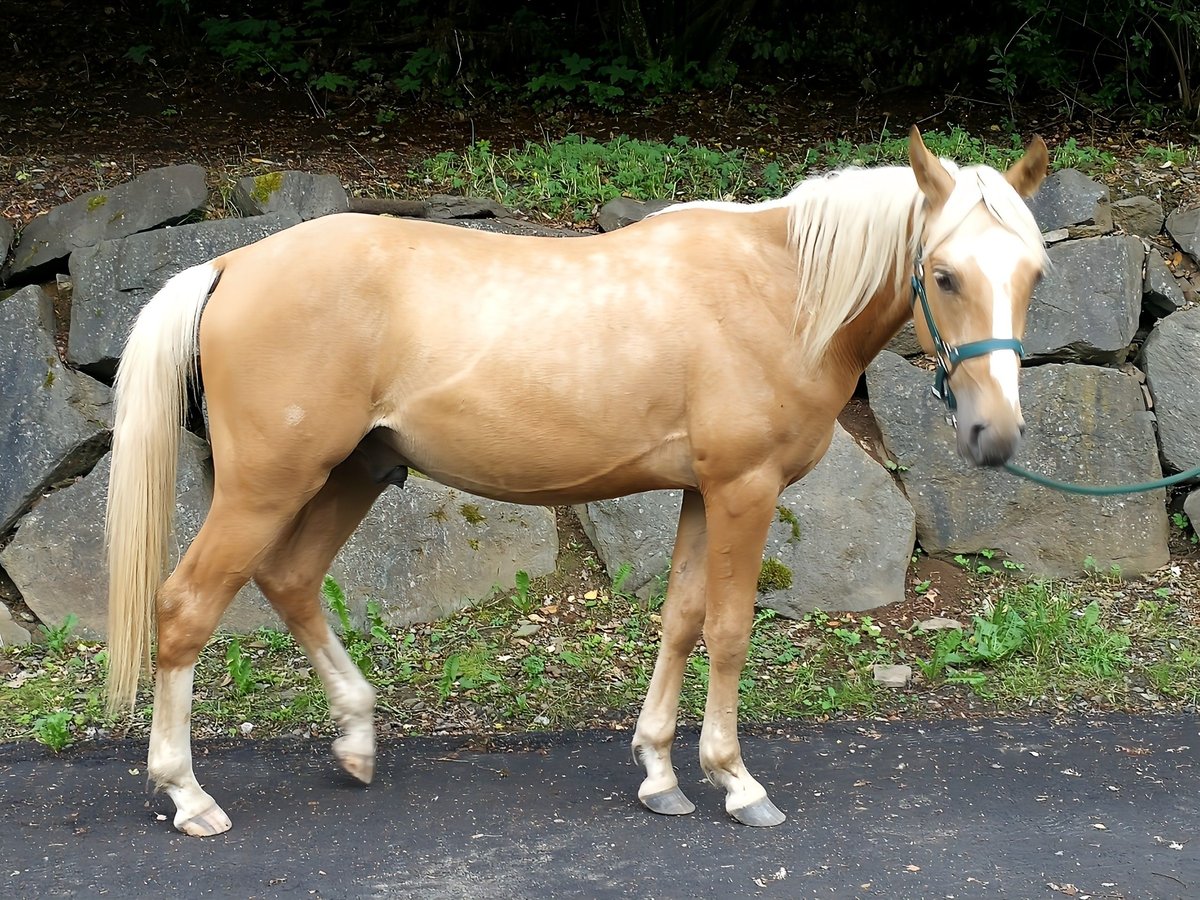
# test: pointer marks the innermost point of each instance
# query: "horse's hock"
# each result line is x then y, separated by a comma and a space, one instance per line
843, 537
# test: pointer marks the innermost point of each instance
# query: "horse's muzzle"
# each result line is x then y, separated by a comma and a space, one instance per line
983, 443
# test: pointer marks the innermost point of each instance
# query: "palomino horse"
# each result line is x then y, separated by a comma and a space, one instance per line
709, 348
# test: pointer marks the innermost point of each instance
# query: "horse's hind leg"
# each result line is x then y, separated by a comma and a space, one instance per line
190, 604
290, 576
738, 516
683, 617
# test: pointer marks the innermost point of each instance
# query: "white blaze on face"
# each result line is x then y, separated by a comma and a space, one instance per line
997, 253
998, 262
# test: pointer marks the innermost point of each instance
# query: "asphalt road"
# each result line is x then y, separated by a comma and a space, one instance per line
1107, 807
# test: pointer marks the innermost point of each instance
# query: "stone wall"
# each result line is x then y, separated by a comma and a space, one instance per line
1111, 394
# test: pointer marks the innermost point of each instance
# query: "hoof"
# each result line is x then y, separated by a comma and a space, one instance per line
761, 814
360, 765
212, 821
668, 803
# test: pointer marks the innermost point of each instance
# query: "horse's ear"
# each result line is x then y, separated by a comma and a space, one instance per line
933, 179
1026, 174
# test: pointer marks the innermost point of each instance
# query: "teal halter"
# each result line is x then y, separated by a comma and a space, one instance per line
948, 356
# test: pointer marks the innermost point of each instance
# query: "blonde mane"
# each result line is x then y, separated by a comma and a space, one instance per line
851, 231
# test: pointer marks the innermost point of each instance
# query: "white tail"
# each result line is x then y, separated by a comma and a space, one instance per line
151, 395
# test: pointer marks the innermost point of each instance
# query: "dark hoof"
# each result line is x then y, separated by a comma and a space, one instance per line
668, 803
761, 814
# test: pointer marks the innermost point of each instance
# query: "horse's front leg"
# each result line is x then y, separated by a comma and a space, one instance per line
683, 617
738, 515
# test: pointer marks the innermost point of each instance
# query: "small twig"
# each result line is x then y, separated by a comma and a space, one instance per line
1172, 877
374, 170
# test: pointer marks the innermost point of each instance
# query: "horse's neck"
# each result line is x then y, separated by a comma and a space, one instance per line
861, 340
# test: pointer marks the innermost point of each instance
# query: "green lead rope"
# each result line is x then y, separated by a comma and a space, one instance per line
1102, 490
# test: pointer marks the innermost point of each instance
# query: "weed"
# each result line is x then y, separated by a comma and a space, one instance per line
239, 667
58, 636
336, 598
522, 599
54, 729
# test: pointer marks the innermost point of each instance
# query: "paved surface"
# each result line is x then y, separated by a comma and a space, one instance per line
1104, 808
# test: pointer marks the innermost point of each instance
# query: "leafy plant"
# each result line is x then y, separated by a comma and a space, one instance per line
58, 636
239, 667
54, 729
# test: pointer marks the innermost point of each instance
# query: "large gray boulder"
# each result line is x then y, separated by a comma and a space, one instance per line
57, 559
1085, 424
12, 634
1068, 197
308, 196
1087, 307
843, 536
426, 551
1184, 227
1171, 360
1161, 293
622, 211
6, 239
54, 422
157, 197
115, 279
1140, 216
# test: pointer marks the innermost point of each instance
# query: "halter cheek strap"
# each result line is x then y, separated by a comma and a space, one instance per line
949, 356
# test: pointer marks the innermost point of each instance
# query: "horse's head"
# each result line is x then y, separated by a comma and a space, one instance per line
979, 256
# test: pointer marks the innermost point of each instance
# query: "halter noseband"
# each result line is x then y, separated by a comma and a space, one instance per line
948, 356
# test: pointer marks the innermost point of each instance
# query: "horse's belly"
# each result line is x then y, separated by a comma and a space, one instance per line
539, 452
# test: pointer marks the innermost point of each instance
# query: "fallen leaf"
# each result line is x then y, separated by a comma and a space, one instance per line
911, 868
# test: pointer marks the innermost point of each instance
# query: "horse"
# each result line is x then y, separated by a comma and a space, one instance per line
707, 349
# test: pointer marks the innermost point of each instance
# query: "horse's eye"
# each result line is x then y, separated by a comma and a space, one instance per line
946, 282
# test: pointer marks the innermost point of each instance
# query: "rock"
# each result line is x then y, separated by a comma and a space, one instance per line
6, 239
1068, 197
1170, 359
1056, 236
636, 531
622, 211
115, 279
57, 557
426, 551
1140, 216
1085, 424
1184, 227
11, 634
1191, 509
307, 196
449, 206
157, 197
1087, 307
54, 422
1161, 294
905, 342
891, 676
843, 536
940, 623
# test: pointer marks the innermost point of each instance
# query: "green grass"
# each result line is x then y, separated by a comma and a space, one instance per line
528, 660
569, 179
